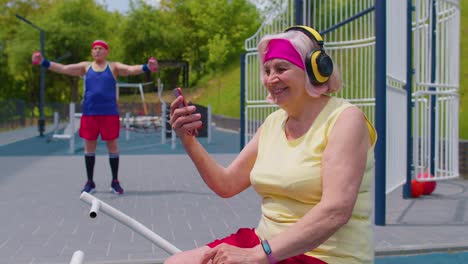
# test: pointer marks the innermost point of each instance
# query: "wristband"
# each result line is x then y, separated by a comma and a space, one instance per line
45, 63
145, 68
267, 249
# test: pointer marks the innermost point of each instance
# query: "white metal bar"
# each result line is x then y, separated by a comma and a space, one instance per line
61, 136
441, 85
72, 128
451, 93
129, 222
173, 139
56, 121
134, 85
77, 257
127, 126
163, 122
142, 94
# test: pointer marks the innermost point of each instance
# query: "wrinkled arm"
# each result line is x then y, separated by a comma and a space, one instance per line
121, 69
224, 181
78, 69
127, 70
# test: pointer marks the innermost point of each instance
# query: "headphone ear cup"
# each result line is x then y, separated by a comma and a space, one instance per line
309, 68
319, 66
325, 64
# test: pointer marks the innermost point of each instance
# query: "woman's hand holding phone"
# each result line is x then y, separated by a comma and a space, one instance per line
188, 119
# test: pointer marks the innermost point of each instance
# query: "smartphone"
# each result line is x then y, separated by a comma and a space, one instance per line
177, 93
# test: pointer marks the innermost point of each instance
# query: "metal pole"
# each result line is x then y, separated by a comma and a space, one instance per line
299, 18
409, 103
41, 121
242, 101
433, 104
380, 110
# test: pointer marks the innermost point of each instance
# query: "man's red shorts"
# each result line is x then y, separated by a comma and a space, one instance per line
108, 126
246, 238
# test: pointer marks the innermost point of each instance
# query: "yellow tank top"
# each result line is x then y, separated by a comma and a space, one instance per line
287, 176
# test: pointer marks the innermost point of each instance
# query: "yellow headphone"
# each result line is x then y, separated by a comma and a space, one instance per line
318, 64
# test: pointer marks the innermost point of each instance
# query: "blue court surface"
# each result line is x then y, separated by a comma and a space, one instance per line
40, 183
130, 143
430, 258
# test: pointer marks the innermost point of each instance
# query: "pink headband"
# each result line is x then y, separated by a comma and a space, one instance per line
101, 43
283, 49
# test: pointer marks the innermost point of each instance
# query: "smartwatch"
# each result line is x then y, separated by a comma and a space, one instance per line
267, 249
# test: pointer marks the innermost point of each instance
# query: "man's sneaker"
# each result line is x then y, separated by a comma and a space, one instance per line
115, 187
89, 187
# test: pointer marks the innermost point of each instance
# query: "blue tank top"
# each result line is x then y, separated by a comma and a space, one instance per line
100, 92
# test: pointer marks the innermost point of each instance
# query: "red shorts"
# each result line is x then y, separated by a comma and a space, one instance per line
108, 126
246, 238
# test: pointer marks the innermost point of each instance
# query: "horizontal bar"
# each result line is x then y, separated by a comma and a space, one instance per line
130, 222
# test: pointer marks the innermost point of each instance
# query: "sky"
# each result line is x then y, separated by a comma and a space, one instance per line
117, 5
124, 5
121, 5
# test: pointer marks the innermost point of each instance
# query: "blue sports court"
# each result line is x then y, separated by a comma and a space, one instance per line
47, 222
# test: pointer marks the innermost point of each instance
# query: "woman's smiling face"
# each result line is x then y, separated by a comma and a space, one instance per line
284, 81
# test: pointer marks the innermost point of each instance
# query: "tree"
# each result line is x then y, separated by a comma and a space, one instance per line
201, 21
70, 27
218, 53
16, 79
206, 33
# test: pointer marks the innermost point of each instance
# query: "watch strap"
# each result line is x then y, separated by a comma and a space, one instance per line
267, 249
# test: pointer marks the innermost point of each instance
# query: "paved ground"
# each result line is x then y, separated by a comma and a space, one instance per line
423, 226
43, 220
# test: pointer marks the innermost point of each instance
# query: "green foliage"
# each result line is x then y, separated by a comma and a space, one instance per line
141, 34
17, 70
218, 50
222, 91
207, 34
69, 28
203, 22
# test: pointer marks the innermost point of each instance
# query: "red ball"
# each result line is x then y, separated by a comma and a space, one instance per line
429, 186
417, 188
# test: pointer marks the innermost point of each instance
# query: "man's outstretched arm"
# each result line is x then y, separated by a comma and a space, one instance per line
77, 69
126, 70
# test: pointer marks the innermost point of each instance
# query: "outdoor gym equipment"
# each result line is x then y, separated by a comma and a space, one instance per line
100, 206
